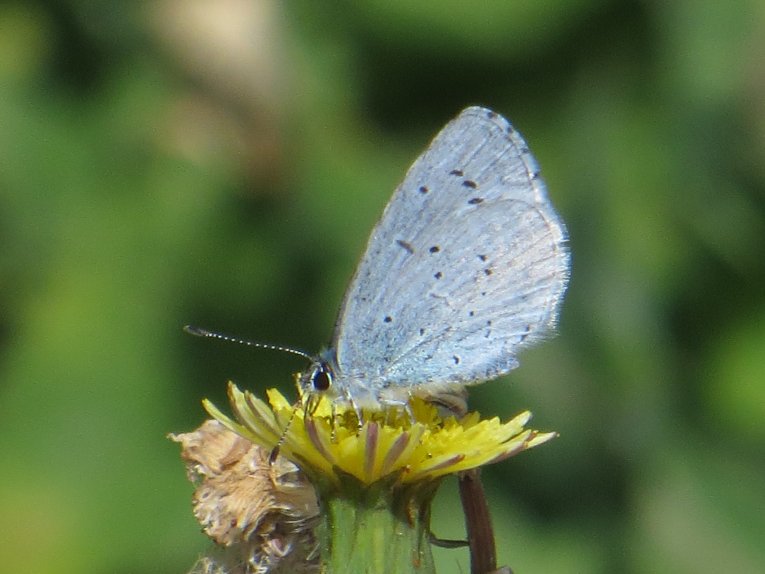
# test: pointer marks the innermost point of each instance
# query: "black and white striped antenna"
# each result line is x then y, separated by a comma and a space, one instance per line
199, 332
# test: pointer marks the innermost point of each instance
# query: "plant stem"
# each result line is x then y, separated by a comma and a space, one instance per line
376, 530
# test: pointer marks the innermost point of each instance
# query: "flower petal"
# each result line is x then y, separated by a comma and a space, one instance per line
325, 439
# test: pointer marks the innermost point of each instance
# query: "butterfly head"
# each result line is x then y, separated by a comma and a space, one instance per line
317, 379
320, 379
325, 380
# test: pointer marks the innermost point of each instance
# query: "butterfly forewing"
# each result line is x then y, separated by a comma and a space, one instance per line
466, 266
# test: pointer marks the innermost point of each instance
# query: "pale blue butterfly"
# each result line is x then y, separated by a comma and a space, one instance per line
467, 266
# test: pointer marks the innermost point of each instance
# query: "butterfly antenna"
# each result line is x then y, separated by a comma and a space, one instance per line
283, 437
199, 332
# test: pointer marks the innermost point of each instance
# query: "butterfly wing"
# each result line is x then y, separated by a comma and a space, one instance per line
467, 265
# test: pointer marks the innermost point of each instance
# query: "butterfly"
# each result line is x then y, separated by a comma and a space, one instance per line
467, 266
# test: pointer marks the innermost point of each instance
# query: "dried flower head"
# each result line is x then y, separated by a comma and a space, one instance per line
262, 513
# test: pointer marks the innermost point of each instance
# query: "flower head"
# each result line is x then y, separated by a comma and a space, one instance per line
261, 513
405, 446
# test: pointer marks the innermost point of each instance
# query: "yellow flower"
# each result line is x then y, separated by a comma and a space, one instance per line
404, 447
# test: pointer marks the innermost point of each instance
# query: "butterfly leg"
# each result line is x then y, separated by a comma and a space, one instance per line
404, 405
356, 408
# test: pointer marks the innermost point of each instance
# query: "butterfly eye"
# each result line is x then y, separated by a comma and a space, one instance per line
321, 379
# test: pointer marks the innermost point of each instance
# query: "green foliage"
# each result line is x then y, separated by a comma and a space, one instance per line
171, 163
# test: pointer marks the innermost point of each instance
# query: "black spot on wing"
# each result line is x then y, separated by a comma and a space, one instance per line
457, 172
406, 245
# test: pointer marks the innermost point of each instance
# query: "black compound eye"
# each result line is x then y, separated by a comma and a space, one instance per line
322, 378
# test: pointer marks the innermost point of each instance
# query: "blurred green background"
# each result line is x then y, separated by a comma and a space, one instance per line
222, 162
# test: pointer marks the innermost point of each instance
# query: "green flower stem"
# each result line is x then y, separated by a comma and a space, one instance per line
376, 529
